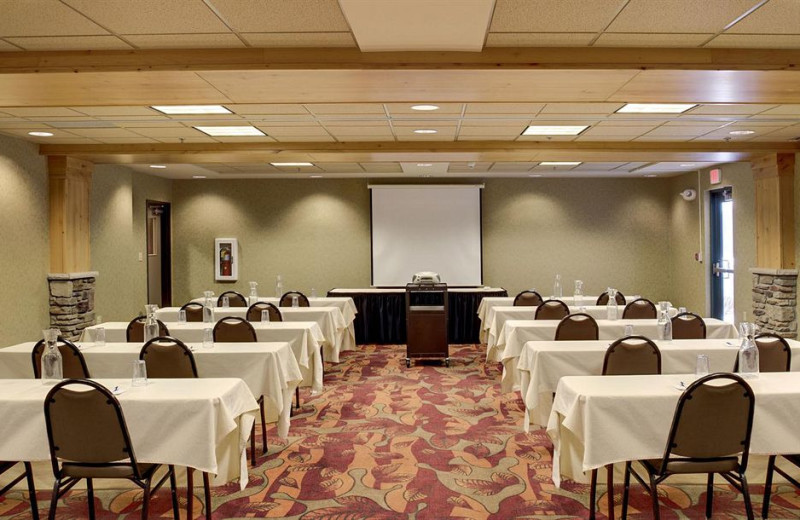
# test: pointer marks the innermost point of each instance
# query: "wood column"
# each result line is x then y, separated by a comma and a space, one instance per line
774, 180
70, 187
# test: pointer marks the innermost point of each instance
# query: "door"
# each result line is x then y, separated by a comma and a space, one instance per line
721, 235
159, 261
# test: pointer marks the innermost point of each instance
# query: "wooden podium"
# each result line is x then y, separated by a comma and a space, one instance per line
426, 322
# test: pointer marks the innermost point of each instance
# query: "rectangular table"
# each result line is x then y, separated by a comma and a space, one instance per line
516, 333
381, 315
198, 423
345, 304
268, 369
304, 337
543, 363
601, 420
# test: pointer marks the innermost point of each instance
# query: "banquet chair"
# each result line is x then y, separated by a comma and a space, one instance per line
576, 327
603, 298
27, 474
135, 331
774, 354
170, 358
529, 298
633, 355
194, 312
641, 309
88, 438
235, 299
551, 310
72, 361
688, 325
286, 299
771, 469
710, 434
254, 312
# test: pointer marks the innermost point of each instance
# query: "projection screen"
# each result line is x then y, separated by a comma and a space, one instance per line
426, 228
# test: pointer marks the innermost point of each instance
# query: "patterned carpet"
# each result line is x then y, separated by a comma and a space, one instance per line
428, 443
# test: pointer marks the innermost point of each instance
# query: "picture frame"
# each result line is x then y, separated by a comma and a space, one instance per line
226, 259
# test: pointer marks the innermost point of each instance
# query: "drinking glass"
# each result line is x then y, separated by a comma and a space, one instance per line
295, 301
628, 330
181, 316
139, 373
226, 302
313, 293
100, 336
264, 316
681, 310
702, 367
208, 338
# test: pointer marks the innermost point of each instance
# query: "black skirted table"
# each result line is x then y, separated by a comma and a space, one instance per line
381, 317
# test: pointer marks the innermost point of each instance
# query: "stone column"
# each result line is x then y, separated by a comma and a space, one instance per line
775, 300
72, 302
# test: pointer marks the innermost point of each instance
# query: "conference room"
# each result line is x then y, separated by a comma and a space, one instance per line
399, 259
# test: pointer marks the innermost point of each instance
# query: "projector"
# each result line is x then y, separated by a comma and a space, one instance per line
426, 277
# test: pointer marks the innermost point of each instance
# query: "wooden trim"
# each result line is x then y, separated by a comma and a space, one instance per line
775, 237
70, 182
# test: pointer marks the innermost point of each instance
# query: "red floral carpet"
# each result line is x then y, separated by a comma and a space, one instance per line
427, 443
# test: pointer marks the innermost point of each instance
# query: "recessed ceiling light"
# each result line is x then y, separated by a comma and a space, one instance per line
198, 176
651, 175
191, 109
316, 176
158, 166
41, 134
555, 129
742, 132
424, 164
230, 131
535, 175
425, 131
424, 107
559, 163
656, 108
687, 165
291, 164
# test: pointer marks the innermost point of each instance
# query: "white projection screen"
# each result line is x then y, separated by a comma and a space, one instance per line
426, 228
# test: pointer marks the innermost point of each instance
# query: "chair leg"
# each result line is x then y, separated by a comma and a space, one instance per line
189, 493
768, 487
146, 499
253, 446
263, 428
207, 490
626, 483
654, 496
297, 396
710, 495
610, 482
90, 496
54, 501
31, 490
174, 488
748, 505
592, 494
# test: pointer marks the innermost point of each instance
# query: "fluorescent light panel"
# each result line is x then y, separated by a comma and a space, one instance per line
230, 131
41, 134
191, 109
555, 130
655, 108
291, 164
559, 163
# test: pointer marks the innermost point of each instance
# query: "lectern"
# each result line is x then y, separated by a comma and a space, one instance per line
426, 321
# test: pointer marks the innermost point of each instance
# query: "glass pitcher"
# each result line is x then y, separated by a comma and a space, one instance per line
150, 323
612, 311
664, 322
558, 291
253, 293
208, 307
52, 364
578, 296
748, 351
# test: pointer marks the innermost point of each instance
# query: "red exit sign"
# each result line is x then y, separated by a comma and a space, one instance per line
715, 176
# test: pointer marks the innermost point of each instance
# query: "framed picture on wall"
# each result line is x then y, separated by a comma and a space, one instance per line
226, 260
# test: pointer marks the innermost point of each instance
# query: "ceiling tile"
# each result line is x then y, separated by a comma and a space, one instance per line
133, 122
322, 109
604, 166
7, 47
41, 112
268, 109
756, 41
125, 140
338, 131
185, 140
489, 131
44, 18
522, 109
467, 167
70, 43
680, 131
340, 167
151, 16
23, 132
322, 138
185, 41
364, 137
774, 17
512, 166
467, 136
678, 16
782, 110
21, 123
553, 15
116, 111
435, 124
580, 108
246, 139
605, 132
300, 39
103, 132
396, 109
159, 132
382, 167
282, 16
723, 109
519, 39
651, 40
289, 131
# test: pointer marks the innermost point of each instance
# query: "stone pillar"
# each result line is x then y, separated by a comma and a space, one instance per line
775, 300
72, 302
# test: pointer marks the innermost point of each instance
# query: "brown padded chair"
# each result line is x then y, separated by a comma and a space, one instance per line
688, 325
641, 309
194, 312
72, 361
286, 299
254, 312
26, 474
774, 354
89, 439
771, 467
233, 329
603, 298
551, 310
529, 298
235, 299
710, 434
135, 331
577, 327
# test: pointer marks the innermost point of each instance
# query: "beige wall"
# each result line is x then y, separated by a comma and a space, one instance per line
24, 228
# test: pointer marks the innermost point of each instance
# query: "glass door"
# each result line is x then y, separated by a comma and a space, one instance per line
721, 234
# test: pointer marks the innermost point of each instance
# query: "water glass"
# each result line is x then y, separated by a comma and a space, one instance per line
681, 310
139, 373
635, 297
628, 330
208, 338
264, 316
295, 301
702, 367
313, 293
100, 336
226, 302
99, 319
181, 316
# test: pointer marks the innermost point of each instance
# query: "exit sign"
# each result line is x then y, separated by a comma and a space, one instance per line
715, 176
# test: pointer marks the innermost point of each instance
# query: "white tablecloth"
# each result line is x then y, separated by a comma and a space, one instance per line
345, 304
600, 420
198, 423
304, 337
516, 333
339, 334
268, 369
543, 363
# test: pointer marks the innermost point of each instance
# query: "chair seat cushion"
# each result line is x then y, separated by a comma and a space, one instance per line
118, 471
692, 466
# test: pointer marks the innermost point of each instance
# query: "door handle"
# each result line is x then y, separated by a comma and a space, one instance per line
717, 270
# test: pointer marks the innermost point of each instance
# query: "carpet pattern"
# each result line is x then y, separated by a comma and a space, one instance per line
383, 442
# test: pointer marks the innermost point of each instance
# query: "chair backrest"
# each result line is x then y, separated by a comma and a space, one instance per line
551, 310
167, 357
712, 420
641, 309
233, 329
774, 354
73, 363
579, 326
85, 424
528, 298
235, 299
135, 331
286, 299
254, 312
688, 325
603, 298
194, 312
633, 355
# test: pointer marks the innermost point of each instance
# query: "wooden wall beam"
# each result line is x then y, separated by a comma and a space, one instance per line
774, 182
70, 181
